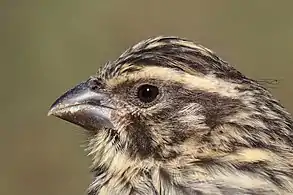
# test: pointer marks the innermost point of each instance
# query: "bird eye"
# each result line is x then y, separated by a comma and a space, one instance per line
147, 93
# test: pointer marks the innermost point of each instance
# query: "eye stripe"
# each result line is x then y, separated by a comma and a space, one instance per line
208, 83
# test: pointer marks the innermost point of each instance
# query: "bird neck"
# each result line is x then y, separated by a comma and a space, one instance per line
115, 172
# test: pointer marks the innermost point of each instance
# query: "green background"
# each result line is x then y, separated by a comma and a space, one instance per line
48, 46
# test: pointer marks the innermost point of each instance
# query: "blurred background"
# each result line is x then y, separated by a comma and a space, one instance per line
48, 46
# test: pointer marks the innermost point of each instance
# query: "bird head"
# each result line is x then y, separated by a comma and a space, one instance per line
171, 103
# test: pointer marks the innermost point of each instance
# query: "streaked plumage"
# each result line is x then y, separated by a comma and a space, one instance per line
170, 117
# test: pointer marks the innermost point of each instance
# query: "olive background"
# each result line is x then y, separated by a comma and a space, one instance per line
48, 46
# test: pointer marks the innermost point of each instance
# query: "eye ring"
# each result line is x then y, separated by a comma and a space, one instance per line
147, 93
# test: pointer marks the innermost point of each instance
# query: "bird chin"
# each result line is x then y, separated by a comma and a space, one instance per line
89, 117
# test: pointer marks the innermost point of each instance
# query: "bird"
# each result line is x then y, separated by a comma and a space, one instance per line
170, 117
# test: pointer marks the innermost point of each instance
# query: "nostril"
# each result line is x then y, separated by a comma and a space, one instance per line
95, 83
94, 87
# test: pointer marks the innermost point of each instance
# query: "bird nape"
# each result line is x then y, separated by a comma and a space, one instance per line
170, 117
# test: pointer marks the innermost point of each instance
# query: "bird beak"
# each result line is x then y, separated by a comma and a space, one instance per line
84, 107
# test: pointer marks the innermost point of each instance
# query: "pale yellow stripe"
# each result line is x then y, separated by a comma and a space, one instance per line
207, 83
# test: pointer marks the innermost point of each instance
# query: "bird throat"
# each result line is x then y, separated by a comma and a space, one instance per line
112, 166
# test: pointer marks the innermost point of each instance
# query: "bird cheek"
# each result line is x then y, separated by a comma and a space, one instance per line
119, 119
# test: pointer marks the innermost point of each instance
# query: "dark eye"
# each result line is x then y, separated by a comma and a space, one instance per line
147, 93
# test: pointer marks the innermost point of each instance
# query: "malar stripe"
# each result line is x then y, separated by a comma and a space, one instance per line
208, 83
